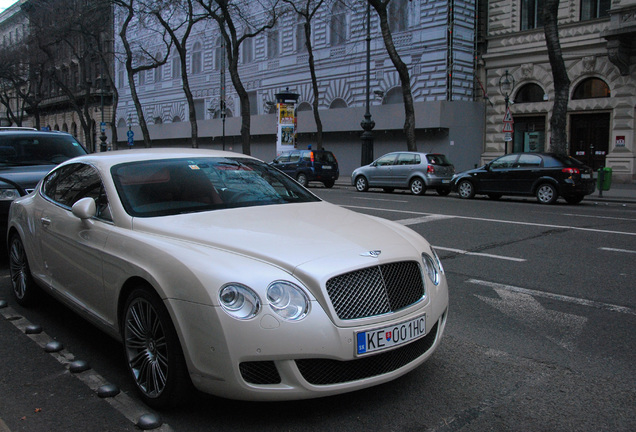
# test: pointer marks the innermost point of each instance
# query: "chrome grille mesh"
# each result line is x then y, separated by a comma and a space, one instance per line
376, 290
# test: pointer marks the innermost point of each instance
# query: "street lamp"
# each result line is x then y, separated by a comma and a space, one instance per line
368, 124
506, 84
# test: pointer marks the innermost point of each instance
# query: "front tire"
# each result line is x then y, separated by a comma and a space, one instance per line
417, 186
547, 193
465, 189
22, 283
362, 185
153, 353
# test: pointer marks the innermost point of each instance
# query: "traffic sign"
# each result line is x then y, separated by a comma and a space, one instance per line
103, 126
508, 117
507, 127
130, 134
508, 137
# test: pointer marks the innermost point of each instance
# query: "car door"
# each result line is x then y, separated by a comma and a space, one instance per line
380, 172
71, 248
404, 166
524, 173
496, 178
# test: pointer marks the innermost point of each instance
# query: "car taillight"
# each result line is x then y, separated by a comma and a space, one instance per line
430, 169
311, 156
571, 171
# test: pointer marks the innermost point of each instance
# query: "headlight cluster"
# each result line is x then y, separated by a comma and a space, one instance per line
433, 266
9, 194
284, 298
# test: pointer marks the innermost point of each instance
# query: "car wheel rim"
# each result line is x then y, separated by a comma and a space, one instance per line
360, 184
546, 194
416, 187
146, 347
18, 269
465, 189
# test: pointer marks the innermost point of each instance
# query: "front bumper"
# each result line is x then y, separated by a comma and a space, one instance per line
270, 359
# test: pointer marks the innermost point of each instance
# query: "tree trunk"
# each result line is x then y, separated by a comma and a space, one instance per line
558, 121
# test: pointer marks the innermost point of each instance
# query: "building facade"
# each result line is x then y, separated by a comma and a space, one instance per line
598, 40
436, 39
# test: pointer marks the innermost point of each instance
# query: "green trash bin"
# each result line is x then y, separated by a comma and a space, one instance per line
604, 180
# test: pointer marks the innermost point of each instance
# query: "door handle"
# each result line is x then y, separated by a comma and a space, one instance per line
45, 222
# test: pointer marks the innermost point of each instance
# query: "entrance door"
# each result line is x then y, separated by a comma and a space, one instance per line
589, 138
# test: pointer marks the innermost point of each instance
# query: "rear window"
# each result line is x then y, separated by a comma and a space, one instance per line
438, 159
38, 149
551, 161
324, 157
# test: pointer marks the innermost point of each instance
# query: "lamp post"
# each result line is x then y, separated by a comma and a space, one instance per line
368, 124
506, 84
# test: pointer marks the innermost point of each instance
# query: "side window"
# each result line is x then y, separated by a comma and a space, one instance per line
504, 162
294, 157
71, 183
283, 158
306, 156
386, 160
529, 161
406, 159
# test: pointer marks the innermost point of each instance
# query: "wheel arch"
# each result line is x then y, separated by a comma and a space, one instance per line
545, 179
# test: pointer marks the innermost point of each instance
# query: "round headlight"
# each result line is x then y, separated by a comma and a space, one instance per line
431, 269
287, 300
239, 301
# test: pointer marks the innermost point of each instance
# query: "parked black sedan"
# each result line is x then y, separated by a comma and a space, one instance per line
544, 175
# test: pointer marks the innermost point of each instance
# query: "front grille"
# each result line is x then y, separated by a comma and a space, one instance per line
325, 371
260, 372
376, 290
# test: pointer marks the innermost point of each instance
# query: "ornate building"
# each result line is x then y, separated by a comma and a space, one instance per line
598, 43
434, 38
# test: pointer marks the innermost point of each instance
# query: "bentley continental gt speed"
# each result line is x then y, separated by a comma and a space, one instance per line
216, 270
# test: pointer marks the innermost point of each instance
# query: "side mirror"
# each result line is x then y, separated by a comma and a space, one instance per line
84, 208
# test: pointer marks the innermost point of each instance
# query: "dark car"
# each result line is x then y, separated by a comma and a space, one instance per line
308, 166
406, 170
25, 157
544, 175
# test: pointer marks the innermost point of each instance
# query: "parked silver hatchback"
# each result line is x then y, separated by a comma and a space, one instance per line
406, 170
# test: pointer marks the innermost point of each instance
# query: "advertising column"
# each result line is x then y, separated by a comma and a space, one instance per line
286, 121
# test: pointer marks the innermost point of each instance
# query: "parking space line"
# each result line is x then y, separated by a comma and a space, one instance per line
617, 250
463, 252
560, 297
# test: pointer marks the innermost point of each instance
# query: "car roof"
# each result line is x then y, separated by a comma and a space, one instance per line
105, 160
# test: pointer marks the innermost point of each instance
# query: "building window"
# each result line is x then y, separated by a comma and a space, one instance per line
338, 103
304, 106
273, 44
591, 9
301, 39
393, 96
252, 98
176, 67
398, 15
247, 48
197, 61
338, 25
531, 14
591, 88
530, 93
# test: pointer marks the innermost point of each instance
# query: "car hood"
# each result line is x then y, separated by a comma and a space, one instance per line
25, 176
290, 235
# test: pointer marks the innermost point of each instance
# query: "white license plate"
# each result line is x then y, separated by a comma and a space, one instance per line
445, 181
386, 337
586, 176
326, 167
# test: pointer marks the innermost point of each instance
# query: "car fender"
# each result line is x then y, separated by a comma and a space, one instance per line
545, 179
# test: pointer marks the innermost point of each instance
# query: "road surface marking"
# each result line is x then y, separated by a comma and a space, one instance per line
564, 298
463, 252
617, 250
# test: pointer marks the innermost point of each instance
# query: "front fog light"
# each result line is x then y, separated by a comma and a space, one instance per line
239, 301
288, 300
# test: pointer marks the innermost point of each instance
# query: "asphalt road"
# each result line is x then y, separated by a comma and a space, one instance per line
540, 335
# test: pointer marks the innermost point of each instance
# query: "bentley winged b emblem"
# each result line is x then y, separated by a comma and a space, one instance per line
371, 254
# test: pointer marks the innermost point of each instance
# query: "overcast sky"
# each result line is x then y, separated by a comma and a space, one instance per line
5, 4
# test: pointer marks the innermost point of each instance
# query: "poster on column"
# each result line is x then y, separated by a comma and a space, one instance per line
286, 134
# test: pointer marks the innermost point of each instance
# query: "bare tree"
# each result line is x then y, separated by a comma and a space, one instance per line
231, 17
382, 9
559, 75
178, 19
136, 58
307, 10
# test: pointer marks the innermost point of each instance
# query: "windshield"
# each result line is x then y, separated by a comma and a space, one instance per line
38, 149
176, 186
438, 159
